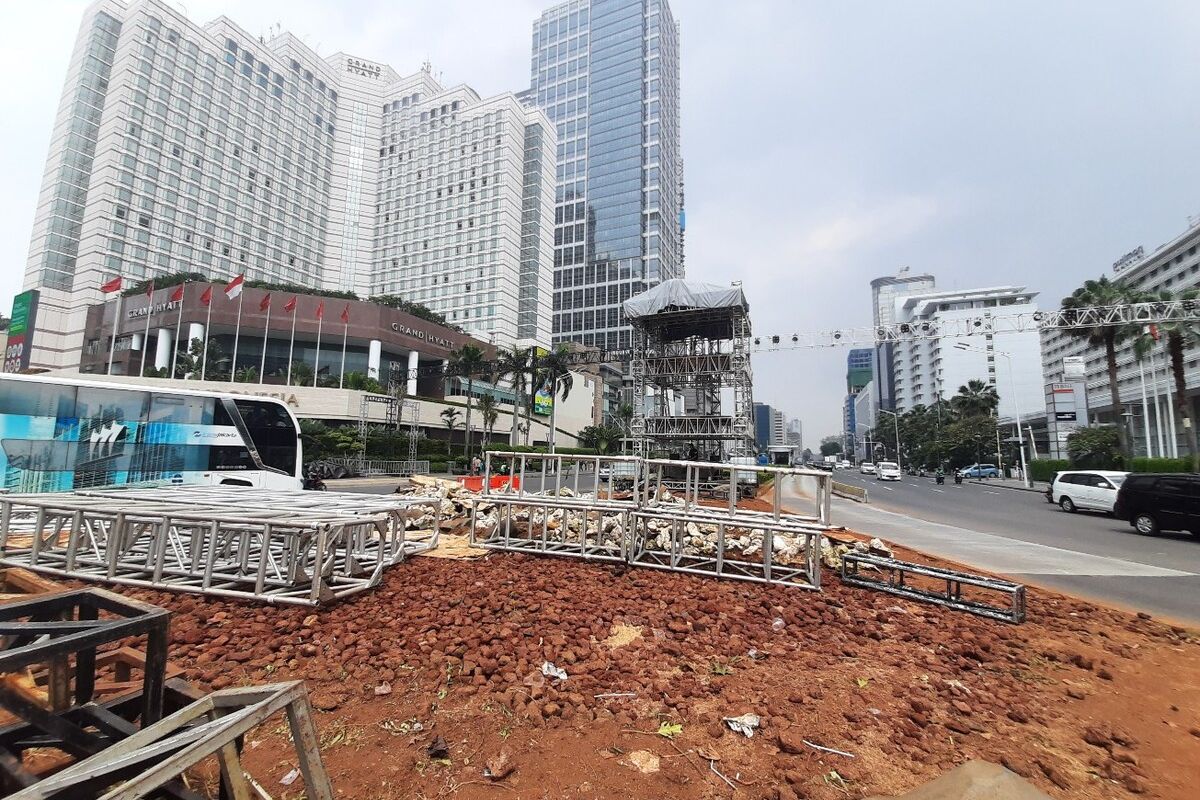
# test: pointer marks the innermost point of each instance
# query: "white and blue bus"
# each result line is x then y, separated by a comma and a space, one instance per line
59, 434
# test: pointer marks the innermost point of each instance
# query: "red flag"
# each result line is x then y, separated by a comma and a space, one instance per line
346, 314
112, 286
150, 289
234, 287
206, 298
1154, 332
290, 305
321, 310
265, 303
177, 295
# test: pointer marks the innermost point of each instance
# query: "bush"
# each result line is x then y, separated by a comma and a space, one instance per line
1160, 465
1043, 469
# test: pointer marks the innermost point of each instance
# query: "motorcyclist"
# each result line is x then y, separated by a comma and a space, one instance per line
941, 476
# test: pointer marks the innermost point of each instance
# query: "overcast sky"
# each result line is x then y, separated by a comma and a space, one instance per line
825, 143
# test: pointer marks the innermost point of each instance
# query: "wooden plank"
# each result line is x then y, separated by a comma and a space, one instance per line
27, 582
308, 749
232, 775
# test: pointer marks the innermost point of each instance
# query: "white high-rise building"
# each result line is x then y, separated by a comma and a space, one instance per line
180, 147
926, 370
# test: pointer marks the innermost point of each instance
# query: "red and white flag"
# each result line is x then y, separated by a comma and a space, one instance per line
1153, 331
234, 287
346, 314
112, 286
290, 305
150, 289
321, 310
177, 295
206, 298
265, 303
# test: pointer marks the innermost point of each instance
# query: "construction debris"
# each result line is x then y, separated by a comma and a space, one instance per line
746, 724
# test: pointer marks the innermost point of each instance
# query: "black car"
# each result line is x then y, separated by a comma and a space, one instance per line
1162, 502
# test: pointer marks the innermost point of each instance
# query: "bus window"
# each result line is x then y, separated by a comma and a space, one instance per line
272, 431
179, 409
37, 400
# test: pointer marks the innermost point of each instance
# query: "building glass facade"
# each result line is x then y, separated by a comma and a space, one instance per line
607, 74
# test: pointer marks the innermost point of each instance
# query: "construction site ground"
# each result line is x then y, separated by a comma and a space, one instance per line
434, 678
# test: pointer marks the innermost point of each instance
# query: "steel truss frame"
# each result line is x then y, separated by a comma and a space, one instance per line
154, 757
663, 360
728, 558
894, 581
1059, 319
549, 522
280, 547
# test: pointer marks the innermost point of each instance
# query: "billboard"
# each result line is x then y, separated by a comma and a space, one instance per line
1074, 368
20, 331
543, 401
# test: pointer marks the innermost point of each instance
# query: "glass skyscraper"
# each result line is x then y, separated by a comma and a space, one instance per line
607, 74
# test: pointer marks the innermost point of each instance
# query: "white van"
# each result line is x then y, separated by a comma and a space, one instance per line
887, 471
1092, 490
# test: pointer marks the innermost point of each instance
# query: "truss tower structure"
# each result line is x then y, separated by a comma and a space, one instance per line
691, 351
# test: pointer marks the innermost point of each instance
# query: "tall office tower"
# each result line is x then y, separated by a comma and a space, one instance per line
884, 292
607, 74
180, 147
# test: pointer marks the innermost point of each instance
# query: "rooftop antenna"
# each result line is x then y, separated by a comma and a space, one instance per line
903, 271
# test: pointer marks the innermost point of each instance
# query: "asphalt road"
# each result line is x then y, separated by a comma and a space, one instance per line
1018, 533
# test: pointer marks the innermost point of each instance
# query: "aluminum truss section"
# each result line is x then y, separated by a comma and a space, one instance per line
571, 512
897, 577
712, 490
277, 555
150, 759
737, 547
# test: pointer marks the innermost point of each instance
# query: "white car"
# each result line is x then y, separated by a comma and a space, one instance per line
843, 465
887, 471
1092, 489
866, 468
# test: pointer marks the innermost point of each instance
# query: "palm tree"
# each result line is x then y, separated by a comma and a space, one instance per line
625, 416
1181, 335
450, 415
554, 371
976, 398
467, 362
1098, 294
516, 365
489, 412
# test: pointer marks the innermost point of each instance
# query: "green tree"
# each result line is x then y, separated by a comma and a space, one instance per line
968, 439
554, 370
1098, 294
601, 438
831, 446
517, 365
301, 374
467, 362
246, 375
1094, 447
488, 409
191, 363
975, 398
360, 382
625, 418
450, 417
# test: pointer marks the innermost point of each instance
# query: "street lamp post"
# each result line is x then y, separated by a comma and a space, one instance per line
1016, 404
896, 420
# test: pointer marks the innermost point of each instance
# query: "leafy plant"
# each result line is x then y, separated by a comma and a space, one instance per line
1095, 447
669, 730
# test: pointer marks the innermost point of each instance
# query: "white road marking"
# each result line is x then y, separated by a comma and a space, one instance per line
943, 491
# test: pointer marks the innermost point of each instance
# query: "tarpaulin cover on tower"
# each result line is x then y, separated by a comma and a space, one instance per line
681, 295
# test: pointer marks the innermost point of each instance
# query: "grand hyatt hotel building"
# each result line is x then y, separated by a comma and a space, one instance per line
186, 148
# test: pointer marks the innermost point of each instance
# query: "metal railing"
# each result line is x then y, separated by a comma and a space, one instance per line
367, 466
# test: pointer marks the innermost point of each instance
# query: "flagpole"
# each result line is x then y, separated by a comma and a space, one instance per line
146, 335
291, 347
116, 321
178, 328
237, 332
266, 331
317, 358
342, 374
207, 327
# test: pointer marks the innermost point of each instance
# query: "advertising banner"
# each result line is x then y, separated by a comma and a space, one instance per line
543, 401
20, 331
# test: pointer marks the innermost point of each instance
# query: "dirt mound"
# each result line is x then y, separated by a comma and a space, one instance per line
911, 690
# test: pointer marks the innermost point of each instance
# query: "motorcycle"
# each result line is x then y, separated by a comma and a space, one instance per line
312, 479
941, 479
958, 477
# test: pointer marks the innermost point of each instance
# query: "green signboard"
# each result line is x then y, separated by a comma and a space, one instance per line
543, 401
20, 331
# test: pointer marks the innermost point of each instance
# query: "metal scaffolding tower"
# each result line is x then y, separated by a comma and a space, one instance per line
692, 341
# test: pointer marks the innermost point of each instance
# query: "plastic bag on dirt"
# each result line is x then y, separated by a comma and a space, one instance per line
746, 724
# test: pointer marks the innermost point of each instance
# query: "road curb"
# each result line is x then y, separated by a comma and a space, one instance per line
1010, 488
